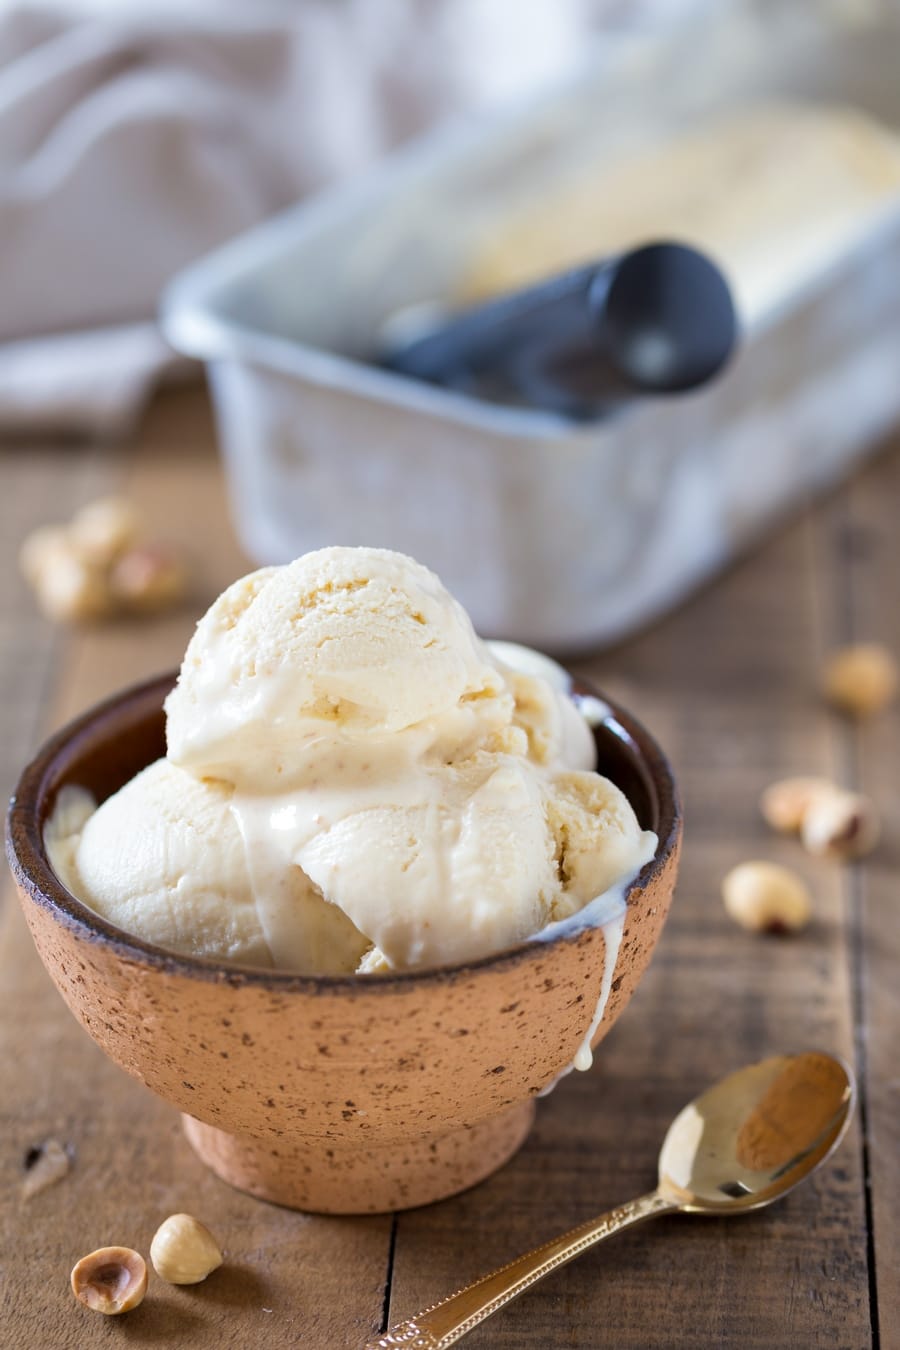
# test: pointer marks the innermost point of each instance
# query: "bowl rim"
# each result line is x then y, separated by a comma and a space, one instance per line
31, 868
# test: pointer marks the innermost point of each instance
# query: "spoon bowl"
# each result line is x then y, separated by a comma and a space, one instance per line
756, 1134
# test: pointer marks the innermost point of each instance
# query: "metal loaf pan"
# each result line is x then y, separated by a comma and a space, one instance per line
560, 535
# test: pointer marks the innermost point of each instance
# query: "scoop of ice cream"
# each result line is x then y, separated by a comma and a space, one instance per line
558, 736
597, 835
491, 852
164, 859
71, 810
340, 645
467, 869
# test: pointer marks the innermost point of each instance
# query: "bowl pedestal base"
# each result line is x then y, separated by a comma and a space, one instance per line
332, 1178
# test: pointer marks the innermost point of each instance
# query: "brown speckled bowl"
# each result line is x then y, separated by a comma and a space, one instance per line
351, 1094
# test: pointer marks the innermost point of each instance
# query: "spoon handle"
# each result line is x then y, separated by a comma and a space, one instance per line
447, 1322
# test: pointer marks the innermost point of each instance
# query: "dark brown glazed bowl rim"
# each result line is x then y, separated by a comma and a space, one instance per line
47, 772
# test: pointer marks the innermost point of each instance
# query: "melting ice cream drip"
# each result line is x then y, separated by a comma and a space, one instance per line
612, 937
607, 912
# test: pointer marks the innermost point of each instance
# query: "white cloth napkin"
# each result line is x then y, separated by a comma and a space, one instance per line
134, 137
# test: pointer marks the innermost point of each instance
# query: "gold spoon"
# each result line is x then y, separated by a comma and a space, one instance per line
744, 1143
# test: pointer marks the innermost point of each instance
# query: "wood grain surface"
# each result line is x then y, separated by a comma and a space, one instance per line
728, 684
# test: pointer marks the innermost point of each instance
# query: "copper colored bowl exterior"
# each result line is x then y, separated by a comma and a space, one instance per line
348, 1094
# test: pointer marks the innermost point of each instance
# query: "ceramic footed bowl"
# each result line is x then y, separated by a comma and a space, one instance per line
339, 1094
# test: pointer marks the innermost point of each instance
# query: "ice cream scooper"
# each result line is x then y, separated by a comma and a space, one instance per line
657, 320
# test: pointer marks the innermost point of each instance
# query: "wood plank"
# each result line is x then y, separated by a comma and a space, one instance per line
728, 684
173, 477
290, 1279
38, 486
864, 548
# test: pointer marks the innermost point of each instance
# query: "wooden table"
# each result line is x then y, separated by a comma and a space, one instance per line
729, 685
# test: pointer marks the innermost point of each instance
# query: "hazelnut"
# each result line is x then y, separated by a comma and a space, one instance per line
101, 531
70, 590
111, 1280
764, 897
40, 549
841, 825
861, 680
184, 1251
147, 578
784, 804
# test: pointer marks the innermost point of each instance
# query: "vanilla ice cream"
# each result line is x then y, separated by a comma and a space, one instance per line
361, 646
775, 191
354, 781
164, 859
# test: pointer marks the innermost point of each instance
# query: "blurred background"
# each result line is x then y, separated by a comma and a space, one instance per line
668, 422
135, 137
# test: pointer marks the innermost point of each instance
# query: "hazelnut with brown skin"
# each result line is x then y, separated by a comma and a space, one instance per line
147, 579
184, 1251
861, 680
111, 1280
841, 826
764, 897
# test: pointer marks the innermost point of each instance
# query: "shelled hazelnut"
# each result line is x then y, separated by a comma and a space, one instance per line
764, 897
101, 531
71, 590
784, 804
184, 1251
841, 826
42, 548
861, 680
110, 1280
